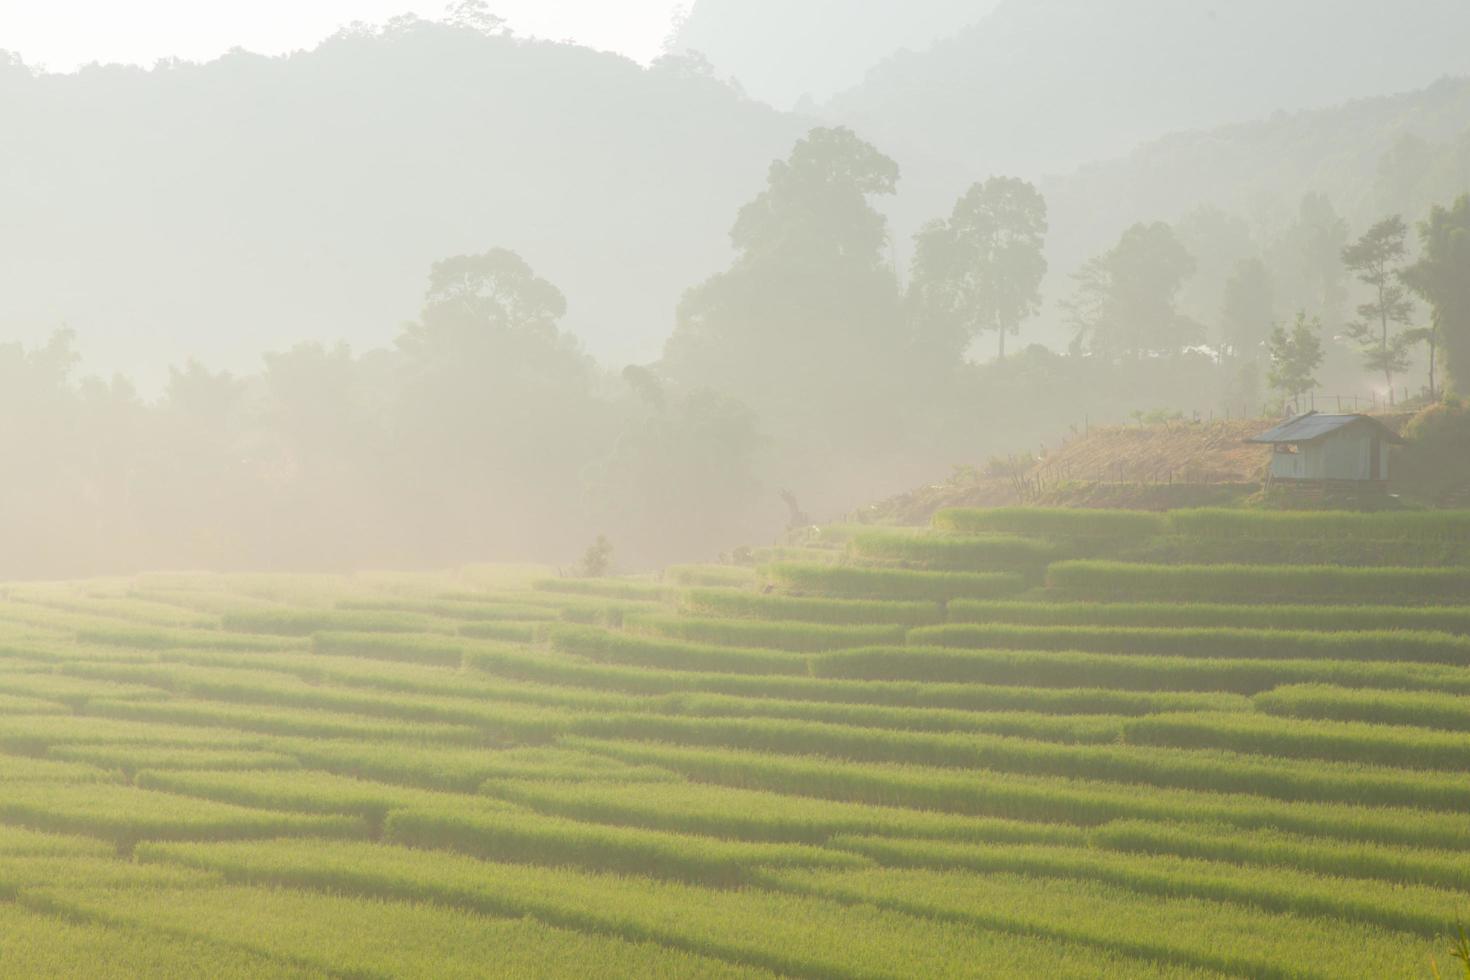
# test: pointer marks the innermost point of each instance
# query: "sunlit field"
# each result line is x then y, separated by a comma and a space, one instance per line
1026, 743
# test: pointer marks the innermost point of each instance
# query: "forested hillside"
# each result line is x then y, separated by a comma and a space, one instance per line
1392, 154
784, 50
223, 209
1050, 84
1265, 190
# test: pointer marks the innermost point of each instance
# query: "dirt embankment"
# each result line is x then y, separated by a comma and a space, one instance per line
1178, 452
1136, 467
1150, 467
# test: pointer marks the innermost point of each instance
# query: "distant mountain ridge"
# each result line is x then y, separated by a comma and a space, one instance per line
1396, 154
249, 203
783, 50
1046, 85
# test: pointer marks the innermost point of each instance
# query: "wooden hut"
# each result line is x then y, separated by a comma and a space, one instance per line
1330, 451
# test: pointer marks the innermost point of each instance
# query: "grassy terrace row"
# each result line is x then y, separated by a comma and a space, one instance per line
947, 876
1037, 798
504, 676
1421, 709
709, 810
1385, 746
530, 711
511, 708
125, 815
891, 789
1223, 642
757, 815
1057, 699
795, 637
1267, 891
1207, 758
944, 665
998, 553
272, 721
848, 734
1426, 526
825, 612
207, 928
1328, 583
1176, 615
847, 581
843, 732
1050, 523
791, 934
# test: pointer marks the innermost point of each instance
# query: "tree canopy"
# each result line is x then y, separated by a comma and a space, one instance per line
980, 270
1125, 302
1442, 278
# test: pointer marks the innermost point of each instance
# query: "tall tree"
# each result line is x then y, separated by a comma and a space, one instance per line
475, 14
1442, 278
1377, 259
1219, 242
982, 269
1248, 309
498, 400
1308, 257
1296, 354
1125, 304
808, 312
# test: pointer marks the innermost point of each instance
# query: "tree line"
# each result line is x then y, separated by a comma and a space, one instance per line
806, 377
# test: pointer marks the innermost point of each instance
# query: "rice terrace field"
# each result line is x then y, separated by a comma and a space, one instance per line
1019, 743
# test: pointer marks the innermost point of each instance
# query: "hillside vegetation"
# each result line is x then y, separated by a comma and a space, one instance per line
1022, 742
316, 189
787, 51
1046, 86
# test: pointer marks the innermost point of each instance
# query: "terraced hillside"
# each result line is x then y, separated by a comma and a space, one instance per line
1022, 743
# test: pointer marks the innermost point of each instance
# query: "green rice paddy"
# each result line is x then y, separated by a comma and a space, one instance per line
1021, 743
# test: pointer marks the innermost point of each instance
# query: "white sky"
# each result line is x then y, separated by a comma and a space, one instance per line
62, 34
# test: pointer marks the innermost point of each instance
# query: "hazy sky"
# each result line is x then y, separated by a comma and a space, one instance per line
62, 34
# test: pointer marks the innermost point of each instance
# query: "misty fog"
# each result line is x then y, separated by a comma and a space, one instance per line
434, 291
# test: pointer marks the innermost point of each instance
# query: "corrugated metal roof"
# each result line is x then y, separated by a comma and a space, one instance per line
1312, 426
